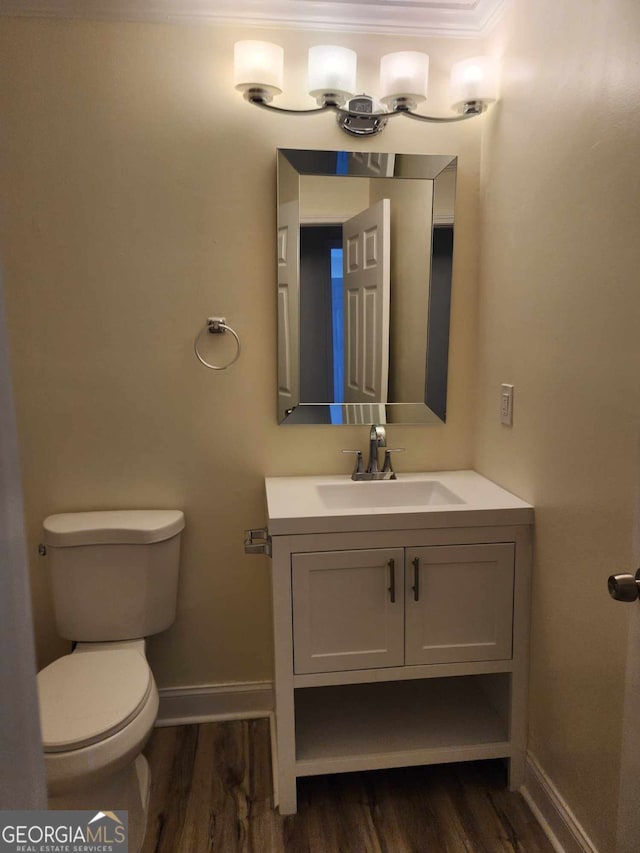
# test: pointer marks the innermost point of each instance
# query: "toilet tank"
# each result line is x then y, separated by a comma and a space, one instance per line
114, 575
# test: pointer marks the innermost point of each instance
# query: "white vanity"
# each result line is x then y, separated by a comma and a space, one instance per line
401, 620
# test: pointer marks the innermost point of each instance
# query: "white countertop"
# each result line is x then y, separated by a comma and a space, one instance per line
296, 504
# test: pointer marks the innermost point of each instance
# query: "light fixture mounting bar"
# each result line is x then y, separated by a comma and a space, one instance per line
266, 106
440, 119
355, 122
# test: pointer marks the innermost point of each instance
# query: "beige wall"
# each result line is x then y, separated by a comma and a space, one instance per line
331, 201
559, 318
139, 193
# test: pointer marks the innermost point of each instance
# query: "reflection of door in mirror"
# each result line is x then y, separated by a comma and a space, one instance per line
366, 247
344, 311
288, 307
373, 164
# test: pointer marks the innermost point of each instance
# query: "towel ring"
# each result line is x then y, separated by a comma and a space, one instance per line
216, 326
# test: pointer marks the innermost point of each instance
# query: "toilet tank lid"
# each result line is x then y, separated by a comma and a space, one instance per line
112, 527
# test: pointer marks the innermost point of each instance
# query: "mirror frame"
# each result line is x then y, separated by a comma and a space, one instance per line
292, 164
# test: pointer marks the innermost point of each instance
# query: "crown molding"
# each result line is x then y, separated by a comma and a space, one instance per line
443, 18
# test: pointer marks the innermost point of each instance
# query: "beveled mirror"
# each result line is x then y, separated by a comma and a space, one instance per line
365, 246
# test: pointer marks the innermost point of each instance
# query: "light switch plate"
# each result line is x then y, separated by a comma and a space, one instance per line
506, 405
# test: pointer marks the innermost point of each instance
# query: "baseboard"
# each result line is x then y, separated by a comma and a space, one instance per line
552, 813
181, 706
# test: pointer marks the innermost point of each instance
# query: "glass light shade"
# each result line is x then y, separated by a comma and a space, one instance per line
404, 75
475, 79
332, 70
258, 65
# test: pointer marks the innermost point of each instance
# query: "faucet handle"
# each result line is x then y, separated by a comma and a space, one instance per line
358, 469
386, 467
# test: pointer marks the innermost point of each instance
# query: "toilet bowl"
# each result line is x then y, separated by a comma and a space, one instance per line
98, 706
114, 574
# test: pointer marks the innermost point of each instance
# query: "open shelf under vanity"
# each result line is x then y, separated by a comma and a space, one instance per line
391, 724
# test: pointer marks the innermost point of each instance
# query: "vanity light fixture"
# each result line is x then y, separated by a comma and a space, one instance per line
258, 74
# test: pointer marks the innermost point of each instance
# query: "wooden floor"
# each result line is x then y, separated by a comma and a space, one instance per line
211, 791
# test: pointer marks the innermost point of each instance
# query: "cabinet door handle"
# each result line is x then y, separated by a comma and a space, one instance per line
392, 580
416, 579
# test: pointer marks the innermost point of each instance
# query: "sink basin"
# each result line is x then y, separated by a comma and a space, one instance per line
386, 493
334, 503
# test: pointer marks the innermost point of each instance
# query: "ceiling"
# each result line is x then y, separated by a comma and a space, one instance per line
450, 18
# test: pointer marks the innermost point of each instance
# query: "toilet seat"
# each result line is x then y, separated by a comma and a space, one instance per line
87, 697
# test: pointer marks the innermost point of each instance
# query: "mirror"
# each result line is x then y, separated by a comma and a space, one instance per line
365, 246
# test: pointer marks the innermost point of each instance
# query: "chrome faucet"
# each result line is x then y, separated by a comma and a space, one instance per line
377, 438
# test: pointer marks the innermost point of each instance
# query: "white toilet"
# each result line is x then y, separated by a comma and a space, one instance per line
114, 578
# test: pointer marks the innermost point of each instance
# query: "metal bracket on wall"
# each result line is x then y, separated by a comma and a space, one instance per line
257, 541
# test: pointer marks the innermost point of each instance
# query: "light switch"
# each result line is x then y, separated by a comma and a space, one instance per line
506, 405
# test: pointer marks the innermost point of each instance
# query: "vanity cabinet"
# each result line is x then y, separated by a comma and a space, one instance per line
459, 603
394, 606
400, 638
348, 610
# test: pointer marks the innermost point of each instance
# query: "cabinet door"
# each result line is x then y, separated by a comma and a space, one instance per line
348, 609
459, 603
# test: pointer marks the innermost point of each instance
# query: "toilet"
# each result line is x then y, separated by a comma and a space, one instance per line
114, 578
